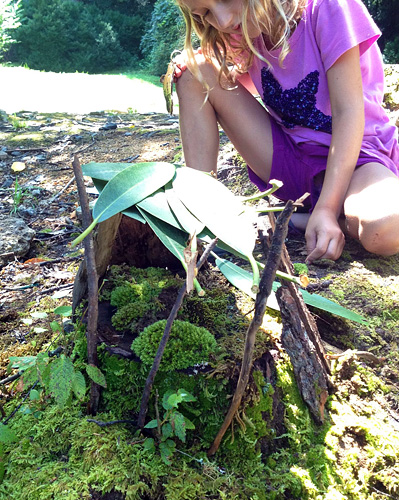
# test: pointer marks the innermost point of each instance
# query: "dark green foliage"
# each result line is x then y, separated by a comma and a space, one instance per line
187, 346
386, 14
61, 35
164, 34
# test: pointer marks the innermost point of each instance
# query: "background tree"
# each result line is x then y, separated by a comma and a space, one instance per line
386, 15
9, 21
164, 34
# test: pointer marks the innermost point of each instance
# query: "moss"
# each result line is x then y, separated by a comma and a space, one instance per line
187, 346
135, 293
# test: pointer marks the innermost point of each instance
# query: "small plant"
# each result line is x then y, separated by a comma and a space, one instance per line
173, 424
52, 373
18, 195
16, 122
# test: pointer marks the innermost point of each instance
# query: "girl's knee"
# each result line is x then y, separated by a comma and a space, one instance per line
381, 237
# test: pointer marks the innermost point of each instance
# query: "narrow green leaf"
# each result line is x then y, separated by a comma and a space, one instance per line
130, 186
242, 279
7, 435
174, 239
96, 375
61, 376
315, 300
133, 213
217, 207
79, 385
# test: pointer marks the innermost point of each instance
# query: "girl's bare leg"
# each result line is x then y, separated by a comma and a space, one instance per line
244, 120
372, 209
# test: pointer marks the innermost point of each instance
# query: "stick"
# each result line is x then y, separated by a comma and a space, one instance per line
165, 337
265, 288
62, 190
92, 285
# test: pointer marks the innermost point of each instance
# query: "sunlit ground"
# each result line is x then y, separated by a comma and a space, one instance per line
22, 89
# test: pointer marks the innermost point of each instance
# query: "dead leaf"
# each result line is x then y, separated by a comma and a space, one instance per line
35, 260
18, 166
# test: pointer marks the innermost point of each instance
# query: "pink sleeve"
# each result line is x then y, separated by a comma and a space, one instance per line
340, 25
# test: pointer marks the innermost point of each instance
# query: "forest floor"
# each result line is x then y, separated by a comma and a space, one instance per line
46, 199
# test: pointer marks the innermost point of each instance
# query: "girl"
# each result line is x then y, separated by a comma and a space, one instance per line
322, 129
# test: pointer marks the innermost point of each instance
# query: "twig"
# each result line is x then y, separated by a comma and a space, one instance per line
265, 288
92, 284
384, 494
165, 337
111, 422
55, 288
62, 190
19, 406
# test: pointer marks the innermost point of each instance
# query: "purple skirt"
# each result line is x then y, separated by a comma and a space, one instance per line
297, 166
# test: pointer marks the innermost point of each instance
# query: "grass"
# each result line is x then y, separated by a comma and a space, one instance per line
24, 89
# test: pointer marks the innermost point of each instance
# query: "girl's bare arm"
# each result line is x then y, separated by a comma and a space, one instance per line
323, 235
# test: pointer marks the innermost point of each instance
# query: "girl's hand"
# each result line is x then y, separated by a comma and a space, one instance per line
180, 63
324, 238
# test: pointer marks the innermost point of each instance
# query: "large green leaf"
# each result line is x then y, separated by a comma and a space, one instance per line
130, 186
103, 171
242, 279
157, 205
219, 209
125, 189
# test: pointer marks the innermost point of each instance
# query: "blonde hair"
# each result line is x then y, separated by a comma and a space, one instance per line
276, 19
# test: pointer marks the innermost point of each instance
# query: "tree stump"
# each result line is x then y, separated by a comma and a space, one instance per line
123, 240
